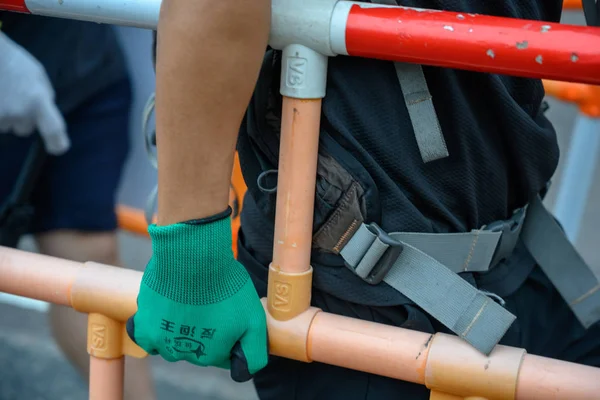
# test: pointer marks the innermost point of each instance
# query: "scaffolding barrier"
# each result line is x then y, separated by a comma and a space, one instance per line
316, 30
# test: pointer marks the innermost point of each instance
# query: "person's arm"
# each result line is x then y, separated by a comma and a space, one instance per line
208, 60
196, 302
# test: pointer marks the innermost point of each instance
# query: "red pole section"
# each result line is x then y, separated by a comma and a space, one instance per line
14, 5
475, 42
446, 39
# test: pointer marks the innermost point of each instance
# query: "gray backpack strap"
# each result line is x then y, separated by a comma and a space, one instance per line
423, 117
424, 267
560, 261
425, 123
375, 256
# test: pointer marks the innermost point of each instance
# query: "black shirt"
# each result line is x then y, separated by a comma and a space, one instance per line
503, 151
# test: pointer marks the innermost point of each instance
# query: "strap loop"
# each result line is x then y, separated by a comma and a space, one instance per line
419, 104
510, 230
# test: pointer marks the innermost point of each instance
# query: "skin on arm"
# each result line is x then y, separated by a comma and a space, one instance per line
209, 55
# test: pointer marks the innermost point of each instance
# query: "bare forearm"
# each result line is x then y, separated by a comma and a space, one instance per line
208, 59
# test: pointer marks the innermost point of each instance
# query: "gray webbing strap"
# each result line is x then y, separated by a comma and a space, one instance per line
423, 117
557, 257
424, 267
431, 285
426, 125
459, 252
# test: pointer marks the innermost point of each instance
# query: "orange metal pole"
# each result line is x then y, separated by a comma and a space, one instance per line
543, 378
49, 279
132, 220
236, 200
333, 340
296, 184
572, 4
107, 345
106, 378
587, 97
398, 353
290, 274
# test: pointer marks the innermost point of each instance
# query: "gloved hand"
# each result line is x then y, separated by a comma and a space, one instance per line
27, 98
197, 303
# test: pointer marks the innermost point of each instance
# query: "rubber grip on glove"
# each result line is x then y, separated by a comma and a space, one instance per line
239, 365
130, 328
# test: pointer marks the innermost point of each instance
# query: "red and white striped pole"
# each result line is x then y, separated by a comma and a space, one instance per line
475, 42
440, 38
14, 5
446, 39
138, 13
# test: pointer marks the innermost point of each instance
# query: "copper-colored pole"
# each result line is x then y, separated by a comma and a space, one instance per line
366, 346
106, 378
542, 378
396, 353
107, 344
572, 5
290, 274
587, 97
132, 220
296, 184
47, 279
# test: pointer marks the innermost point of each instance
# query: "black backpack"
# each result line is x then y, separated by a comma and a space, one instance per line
591, 9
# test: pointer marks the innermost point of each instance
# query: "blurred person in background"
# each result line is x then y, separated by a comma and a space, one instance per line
67, 82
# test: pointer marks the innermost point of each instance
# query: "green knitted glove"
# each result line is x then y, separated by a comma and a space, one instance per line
197, 303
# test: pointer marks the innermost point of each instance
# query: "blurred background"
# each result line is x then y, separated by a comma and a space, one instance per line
33, 368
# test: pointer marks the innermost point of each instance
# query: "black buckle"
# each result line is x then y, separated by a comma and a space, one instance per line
387, 260
511, 231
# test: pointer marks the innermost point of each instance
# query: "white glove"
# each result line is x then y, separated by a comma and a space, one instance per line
27, 98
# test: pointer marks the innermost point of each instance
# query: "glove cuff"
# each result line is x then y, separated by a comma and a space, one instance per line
193, 263
212, 218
